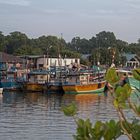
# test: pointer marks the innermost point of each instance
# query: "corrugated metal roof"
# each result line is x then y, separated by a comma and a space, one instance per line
129, 56
4, 57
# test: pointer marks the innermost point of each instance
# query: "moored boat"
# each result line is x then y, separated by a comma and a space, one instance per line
95, 87
36, 81
33, 86
9, 81
83, 83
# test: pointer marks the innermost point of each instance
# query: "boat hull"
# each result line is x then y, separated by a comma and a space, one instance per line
33, 87
53, 87
11, 85
87, 88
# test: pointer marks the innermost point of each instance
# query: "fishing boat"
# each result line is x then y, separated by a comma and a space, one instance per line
96, 87
82, 83
57, 76
9, 81
36, 80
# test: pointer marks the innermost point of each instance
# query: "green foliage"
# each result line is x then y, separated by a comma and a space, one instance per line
85, 131
112, 130
136, 74
69, 110
27, 50
111, 76
121, 95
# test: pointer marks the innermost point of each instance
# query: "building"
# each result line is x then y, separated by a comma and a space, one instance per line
47, 62
132, 61
7, 61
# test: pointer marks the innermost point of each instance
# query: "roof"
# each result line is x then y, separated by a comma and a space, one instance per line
129, 56
4, 57
86, 56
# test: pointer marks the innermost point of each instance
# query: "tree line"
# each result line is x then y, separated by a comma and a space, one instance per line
101, 47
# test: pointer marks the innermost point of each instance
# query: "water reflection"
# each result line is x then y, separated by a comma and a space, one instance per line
39, 116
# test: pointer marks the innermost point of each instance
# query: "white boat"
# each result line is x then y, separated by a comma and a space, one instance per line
1, 90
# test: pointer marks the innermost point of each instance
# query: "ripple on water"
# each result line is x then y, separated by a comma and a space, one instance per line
36, 116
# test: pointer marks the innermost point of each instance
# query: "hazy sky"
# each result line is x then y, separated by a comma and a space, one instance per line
83, 18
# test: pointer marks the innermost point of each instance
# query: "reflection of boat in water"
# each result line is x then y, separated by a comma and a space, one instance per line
86, 97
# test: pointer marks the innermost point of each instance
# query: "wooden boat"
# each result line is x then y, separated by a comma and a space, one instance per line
56, 79
53, 86
95, 87
9, 81
83, 84
33, 86
36, 81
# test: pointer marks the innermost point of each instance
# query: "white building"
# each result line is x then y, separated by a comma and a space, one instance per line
47, 62
132, 61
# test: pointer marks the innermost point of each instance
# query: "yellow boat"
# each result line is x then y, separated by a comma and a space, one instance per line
36, 80
83, 83
34, 87
95, 87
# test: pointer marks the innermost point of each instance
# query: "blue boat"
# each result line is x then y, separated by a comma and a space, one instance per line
9, 81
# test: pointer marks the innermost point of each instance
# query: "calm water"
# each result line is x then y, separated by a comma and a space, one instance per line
37, 116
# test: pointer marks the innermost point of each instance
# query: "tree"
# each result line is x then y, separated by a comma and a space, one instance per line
105, 39
27, 50
15, 40
2, 42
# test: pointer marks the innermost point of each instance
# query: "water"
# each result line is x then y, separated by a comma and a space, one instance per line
37, 116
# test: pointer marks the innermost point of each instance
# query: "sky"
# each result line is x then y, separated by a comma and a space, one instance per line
71, 18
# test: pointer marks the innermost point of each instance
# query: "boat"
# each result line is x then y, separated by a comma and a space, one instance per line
83, 83
56, 80
54, 86
9, 81
36, 81
96, 87
135, 84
